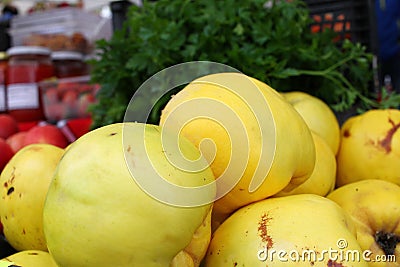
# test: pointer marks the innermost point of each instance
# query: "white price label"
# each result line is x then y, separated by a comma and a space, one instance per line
23, 96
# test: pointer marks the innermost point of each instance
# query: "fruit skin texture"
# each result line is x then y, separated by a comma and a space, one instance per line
323, 177
25, 181
292, 134
31, 258
370, 147
8, 126
318, 116
297, 222
374, 206
95, 206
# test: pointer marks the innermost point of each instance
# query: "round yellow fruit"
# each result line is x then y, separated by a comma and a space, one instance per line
374, 206
299, 230
370, 147
25, 181
97, 212
323, 177
318, 115
30, 258
247, 132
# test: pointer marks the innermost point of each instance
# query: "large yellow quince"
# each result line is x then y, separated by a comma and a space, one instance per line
370, 147
255, 141
298, 230
374, 206
318, 116
100, 212
25, 181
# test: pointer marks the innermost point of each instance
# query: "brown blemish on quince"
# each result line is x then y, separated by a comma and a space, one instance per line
10, 190
386, 142
332, 263
263, 232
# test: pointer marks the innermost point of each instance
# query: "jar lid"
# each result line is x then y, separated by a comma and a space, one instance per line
28, 50
66, 55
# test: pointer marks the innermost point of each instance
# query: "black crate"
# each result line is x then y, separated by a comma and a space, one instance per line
351, 19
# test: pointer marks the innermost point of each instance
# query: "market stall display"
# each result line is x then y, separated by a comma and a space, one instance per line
248, 163
247, 234
44, 74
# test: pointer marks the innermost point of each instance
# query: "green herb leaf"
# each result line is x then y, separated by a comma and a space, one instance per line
273, 44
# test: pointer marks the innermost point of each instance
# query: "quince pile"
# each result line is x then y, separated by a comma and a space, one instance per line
235, 174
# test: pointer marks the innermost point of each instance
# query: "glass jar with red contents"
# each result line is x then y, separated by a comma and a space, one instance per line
3, 68
27, 66
68, 64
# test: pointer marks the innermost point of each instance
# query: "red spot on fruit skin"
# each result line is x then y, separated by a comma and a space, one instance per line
263, 232
332, 263
386, 142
